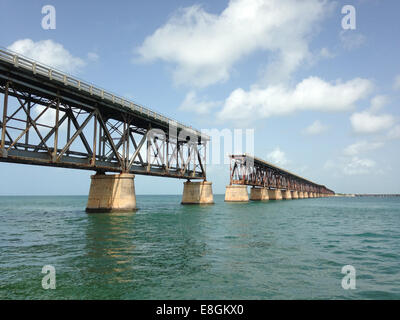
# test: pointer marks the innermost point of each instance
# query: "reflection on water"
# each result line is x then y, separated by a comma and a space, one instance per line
110, 245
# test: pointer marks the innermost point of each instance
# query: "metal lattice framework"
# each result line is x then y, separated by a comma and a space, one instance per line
251, 171
49, 118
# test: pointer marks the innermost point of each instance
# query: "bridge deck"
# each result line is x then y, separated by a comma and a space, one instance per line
45, 79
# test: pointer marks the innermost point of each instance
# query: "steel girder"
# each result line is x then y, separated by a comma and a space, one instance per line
49, 130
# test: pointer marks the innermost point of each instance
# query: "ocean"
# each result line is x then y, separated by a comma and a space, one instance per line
290, 249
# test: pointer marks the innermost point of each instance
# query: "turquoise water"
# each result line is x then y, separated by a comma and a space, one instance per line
275, 250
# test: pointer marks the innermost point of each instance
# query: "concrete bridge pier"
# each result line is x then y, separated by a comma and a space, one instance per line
286, 195
259, 194
112, 193
236, 193
197, 193
301, 194
311, 195
275, 194
295, 195
305, 195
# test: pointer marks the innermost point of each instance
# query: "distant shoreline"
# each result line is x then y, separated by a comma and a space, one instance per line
353, 195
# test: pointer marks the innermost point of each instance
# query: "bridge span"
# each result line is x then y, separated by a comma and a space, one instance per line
268, 182
50, 118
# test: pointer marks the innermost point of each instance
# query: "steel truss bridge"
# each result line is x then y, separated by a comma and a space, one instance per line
252, 171
52, 119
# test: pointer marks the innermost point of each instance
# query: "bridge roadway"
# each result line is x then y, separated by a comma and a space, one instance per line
268, 182
50, 118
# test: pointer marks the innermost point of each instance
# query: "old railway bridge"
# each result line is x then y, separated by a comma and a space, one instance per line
268, 182
50, 118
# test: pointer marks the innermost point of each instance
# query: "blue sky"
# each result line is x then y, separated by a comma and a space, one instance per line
323, 101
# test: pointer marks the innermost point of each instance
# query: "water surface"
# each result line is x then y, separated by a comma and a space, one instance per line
273, 250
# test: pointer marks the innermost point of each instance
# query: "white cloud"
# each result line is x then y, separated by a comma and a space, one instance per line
315, 128
350, 166
394, 133
378, 102
278, 157
312, 94
205, 46
396, 84
93, 56
361, 147
326, 53
191, 104
48, 52
351, 39
367, 122
356, 166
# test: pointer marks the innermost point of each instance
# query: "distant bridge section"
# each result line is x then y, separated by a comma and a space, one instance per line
268, 181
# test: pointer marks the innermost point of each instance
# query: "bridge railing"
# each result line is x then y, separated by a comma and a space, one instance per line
53, 74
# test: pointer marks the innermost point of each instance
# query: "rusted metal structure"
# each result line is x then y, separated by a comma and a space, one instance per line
50, 118
252, 171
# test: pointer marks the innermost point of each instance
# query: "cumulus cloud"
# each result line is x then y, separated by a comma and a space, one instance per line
192, 104
394, 133
351, 165
48, 52
367, 122
312, 94
278, 157
361, 147
315, 128
93, 56
358, 166
378, 102
326, 53
204, 46
351, 39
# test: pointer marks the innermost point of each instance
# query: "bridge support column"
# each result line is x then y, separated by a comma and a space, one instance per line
311, 195
301, 194
275, 194
286, 195
112, 193
259, 194
197, 193
295, 195
305, 195
236, 193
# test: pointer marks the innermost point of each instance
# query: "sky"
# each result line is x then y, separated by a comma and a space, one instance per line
319, 89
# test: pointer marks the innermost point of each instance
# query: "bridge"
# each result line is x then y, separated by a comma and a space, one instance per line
268, 182
50, 118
